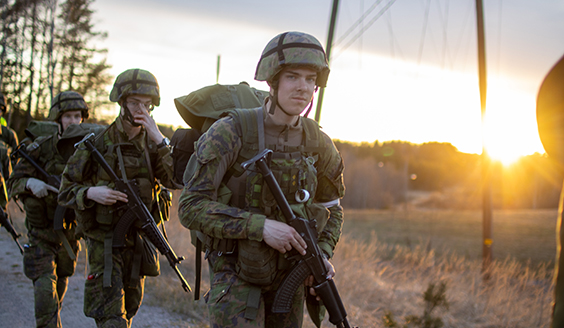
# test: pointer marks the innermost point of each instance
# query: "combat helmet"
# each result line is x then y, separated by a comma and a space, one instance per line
135, 82
292, 48
67, 101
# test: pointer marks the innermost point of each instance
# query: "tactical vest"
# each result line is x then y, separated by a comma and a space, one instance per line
295, 169
41, 212
129, 164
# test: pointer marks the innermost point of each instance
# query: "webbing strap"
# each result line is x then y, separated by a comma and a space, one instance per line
260, 129
136, 265
198, 269
66, 244
108, 260
253, 303
121, 164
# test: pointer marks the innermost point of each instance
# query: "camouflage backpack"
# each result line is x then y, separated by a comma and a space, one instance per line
200, 109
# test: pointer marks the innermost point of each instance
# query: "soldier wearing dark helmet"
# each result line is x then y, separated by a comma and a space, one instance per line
50, 255
137, 152
245, 234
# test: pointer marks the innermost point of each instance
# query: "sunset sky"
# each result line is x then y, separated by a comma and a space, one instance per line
409, 76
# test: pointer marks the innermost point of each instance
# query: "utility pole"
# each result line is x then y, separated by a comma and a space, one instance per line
328, 54
486, 161
217, 69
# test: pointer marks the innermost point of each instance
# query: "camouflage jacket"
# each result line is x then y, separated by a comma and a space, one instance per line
50, 153
8, 142
82, 172
217, 150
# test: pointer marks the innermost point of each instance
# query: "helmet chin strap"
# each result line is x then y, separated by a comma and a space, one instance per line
128, 116
276, 103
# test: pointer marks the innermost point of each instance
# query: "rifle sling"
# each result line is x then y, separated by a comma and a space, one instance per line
136, 265
108, 261
66, 244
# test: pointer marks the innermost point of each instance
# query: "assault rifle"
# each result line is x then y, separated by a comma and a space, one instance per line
54, 181
5, 222
51, 180
309, 264
137, 211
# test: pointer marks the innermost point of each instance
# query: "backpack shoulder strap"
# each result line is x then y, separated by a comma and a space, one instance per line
314, 141
250, 127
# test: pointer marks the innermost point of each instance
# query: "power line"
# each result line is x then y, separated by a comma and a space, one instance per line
358, 22
372, 21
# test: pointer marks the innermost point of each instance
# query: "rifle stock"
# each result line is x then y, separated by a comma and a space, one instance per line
312, 263
137, 211
5, 222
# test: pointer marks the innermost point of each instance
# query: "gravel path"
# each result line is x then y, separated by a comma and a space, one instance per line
16, 296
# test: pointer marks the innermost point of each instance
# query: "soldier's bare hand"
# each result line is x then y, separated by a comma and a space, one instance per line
144, 118
309, 282
282, 237
105, 196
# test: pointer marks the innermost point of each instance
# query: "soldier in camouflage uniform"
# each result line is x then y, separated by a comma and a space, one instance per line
8, 135
138, 152
50, 255
294, 65
8, 142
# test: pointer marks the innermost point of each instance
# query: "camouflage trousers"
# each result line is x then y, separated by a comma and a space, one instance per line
49, 267
229, 297
114, 306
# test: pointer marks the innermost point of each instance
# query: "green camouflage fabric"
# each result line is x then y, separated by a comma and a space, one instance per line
82, 172
51, 153
46, 261
292, 48
115, 306
136, 82
216, 151
5, 171
48, 265
227, 299
10, 142
2, 102
67, 101
96, 220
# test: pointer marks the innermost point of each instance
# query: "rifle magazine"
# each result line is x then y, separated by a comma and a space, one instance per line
285, 293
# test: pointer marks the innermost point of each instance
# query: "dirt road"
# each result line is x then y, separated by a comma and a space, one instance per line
16, 296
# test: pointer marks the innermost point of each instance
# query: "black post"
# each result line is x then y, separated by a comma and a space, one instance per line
486, 162
328, 53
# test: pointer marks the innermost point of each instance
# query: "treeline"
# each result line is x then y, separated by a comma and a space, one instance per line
386, 175
47, 47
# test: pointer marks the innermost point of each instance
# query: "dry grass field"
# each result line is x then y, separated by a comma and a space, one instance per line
386, 260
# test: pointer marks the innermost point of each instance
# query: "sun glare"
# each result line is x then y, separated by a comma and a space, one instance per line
511, 126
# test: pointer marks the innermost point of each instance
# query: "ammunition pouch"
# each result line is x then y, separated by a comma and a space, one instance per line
149, 259
257, 263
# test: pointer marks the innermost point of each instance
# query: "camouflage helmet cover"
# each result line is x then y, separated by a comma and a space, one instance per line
292, 48
135, 82
67, 101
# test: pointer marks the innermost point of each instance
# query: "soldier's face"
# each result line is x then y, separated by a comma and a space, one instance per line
295, 89
71, 117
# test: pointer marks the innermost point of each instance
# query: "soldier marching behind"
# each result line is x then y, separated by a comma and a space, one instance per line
50, 255
137, 152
